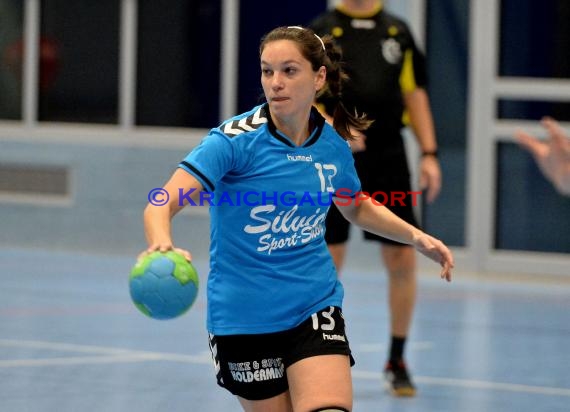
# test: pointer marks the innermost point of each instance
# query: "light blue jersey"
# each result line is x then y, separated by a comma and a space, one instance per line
270, 268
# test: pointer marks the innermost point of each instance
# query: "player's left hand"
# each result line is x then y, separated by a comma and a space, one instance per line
437, 251
430, 177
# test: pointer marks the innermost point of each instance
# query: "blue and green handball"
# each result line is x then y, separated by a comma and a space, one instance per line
163, 285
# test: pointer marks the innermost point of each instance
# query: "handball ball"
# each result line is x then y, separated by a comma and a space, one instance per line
163, 285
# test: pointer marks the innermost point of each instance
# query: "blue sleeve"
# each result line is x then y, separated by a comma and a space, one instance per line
352, 180
210, 160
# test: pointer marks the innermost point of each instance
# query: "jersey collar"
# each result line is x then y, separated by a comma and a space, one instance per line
316, 117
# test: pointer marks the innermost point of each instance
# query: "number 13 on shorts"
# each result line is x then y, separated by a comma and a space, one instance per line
327, 322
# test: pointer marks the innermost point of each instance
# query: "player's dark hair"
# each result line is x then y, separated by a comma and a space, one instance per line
323, 52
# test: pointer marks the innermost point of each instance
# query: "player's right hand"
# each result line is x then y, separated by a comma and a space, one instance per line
157, 247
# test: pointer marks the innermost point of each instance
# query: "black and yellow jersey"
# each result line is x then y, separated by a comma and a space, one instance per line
381, 59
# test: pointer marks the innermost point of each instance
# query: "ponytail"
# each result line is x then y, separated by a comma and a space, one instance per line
322, 51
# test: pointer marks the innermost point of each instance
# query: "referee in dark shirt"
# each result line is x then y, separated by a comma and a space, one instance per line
388, 83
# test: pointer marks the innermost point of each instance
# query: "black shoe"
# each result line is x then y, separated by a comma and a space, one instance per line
398, 379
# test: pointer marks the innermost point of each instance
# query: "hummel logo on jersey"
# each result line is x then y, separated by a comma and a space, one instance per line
299, 158
246, 124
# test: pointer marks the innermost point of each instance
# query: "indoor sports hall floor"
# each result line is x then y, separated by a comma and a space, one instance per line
70, 340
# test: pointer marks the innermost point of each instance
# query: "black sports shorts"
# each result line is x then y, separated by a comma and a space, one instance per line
254, 367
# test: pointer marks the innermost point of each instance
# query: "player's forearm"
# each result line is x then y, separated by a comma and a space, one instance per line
157, 225
421, 119
381, 221
178, 191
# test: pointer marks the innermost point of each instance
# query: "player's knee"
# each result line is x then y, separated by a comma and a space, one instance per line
331, 409
399, 261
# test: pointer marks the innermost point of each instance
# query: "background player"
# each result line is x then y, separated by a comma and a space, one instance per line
552, 156
386, 75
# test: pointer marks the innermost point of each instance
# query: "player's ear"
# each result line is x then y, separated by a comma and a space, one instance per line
320, 78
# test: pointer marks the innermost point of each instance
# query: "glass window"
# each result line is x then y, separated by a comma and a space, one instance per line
11, 58
79, 54
533, 109
530, 214
447, 60
178, 77
535, 38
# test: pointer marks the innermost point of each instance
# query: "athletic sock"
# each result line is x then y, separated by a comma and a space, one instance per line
397, 349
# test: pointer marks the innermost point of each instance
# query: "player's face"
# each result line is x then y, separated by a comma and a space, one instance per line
288, 80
